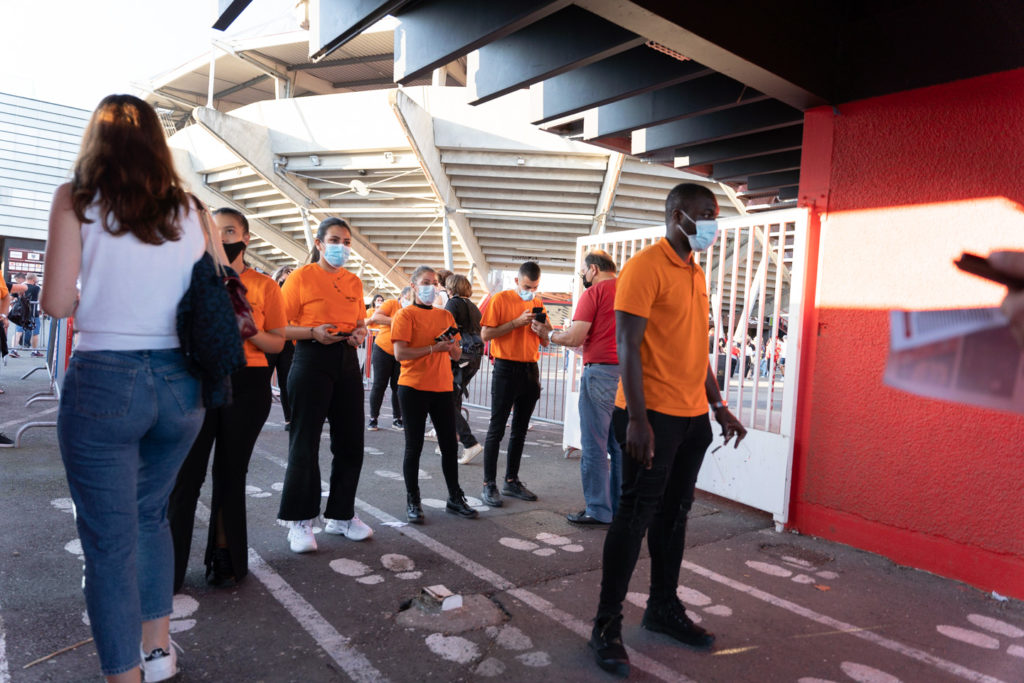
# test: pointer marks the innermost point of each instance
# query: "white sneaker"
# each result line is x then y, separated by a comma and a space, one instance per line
160, 664
353, 529
301, 538
470, 453
431, 435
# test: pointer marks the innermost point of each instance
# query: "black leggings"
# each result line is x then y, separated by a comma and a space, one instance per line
386, 369
417, 405
234, 429
282, 362
324, 384
463, 376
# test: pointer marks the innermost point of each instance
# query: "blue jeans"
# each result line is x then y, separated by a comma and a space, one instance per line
125, 424
602, 480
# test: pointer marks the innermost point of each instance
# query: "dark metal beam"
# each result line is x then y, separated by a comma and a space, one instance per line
789, 192
633, 72
347, 61
765, 163
742, 120
241, 86
364, 84
696, 97
772, 181
332, 23
432, 34
228, 11
776, 140
541, 51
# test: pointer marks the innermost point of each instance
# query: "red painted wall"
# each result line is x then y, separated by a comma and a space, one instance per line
899, 186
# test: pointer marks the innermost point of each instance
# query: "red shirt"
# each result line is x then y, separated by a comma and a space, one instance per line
597, 307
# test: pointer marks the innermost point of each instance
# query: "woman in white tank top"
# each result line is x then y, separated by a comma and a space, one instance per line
122, 242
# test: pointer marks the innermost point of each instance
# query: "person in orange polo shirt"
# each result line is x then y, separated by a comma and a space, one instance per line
516, 334
661, 421
382, 359
324, 306
234, 428
426, 349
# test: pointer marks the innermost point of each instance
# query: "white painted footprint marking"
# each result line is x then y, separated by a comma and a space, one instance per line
769, 569
690, 597
781, 572
256, 492
995, 626
64, 505
558, 542
278, 486
966, 635
863, 673
400, 565
507, 637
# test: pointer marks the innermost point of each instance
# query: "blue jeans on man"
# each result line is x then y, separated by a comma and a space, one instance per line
602, 478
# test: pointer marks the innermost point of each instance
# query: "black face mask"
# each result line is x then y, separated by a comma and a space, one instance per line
587, 285
233, 250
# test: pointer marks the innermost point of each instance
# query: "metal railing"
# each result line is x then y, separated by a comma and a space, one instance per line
553, 365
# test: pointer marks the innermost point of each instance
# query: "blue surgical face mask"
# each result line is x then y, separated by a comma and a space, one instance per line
525, 294
426, 293
707, 230
336, 254
406, 302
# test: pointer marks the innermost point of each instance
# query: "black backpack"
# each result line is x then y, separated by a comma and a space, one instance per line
21, 313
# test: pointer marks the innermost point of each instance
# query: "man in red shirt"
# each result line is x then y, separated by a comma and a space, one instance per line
593, 328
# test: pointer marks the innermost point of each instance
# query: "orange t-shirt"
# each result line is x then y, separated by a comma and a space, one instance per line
671, 294
313, 297
388, 308
521, 344
3, 289
267, 304
418, 327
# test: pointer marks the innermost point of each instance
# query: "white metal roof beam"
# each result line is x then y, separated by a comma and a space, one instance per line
419, 129
608, 188
251, 144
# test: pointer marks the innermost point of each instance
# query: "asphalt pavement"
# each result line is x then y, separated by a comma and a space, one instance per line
785, 607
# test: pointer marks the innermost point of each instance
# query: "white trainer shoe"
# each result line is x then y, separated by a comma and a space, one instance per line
353, 529
301, 538
470, 453
431, 435
160, 664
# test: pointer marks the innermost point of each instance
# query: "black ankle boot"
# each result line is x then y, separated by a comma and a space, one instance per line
413, 511
220, 572
606, 642
457, 505
669, 617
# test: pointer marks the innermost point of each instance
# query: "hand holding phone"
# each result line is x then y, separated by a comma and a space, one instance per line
979, 265
447, 335
539, 315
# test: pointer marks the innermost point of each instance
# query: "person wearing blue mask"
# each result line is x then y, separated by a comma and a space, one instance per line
516, 325
426, 342
661, 420
323, 303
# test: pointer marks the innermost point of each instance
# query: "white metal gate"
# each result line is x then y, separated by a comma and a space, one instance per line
754, 275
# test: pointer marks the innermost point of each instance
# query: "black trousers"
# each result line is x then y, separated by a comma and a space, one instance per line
463, 376
515, 389
416, 405
324, 384
386, 370
656, 502
232, 432
282, 362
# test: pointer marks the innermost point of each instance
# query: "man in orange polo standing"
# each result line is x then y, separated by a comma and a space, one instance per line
516, 334
661, 421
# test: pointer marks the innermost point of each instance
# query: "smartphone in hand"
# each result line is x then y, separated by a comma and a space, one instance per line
447, 335
979, 265
539, 315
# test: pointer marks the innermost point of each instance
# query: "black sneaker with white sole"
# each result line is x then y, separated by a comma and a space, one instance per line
671, 619
490, 495
458, 505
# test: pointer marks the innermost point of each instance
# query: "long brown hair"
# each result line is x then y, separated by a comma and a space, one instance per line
125, 160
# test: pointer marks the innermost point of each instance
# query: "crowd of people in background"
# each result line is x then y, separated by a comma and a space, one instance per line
137, 443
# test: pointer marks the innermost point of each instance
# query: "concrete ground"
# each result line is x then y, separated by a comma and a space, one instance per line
785, 607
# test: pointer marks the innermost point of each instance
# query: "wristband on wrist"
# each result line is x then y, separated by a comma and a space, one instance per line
719, 405
550, 335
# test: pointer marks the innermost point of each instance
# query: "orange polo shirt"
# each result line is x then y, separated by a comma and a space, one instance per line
670, 293
267, 304
388, 308
418, 327
3, 289
313, 297
521, 344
